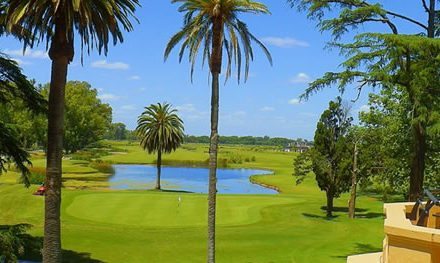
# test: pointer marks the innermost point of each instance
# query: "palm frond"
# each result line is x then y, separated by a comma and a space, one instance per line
97, 22
236, 39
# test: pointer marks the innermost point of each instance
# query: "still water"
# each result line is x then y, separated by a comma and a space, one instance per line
229, 181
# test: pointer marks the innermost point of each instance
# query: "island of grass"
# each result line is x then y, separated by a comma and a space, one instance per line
102, 225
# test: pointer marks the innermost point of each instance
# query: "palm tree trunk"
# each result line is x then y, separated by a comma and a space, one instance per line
52, 228
215, 66
159, 166
352, 202
61, 54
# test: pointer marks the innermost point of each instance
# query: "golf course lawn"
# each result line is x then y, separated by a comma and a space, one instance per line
101, 225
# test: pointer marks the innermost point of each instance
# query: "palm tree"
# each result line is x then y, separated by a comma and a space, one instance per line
161, 131
214, 26
57, 22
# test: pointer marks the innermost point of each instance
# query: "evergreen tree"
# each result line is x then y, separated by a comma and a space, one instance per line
331, 154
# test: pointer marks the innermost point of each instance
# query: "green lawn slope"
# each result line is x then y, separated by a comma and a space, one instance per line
100, 225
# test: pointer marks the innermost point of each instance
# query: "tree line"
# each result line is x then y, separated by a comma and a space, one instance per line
248, 140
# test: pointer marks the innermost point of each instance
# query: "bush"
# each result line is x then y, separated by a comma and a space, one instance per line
37, 175
82, 156
103, 167
188, 148
12, 242
253, 159
90, 154
236, 159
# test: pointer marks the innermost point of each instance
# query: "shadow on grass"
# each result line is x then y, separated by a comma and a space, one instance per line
86, 178
343, 209
32, 248
369, 215
361, 248
172, 191
360, 213
320, 216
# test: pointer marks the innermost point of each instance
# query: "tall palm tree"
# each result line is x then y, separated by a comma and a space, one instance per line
214, 26
161, 131
57, 22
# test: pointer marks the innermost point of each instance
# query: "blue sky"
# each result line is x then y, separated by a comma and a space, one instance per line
134, 73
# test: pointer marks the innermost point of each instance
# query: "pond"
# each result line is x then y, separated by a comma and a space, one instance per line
229, 181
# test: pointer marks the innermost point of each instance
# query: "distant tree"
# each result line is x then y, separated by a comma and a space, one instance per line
302, 166
117, 131
161, 131
214, 28
331, 155
31, 128
362, 154
87, 118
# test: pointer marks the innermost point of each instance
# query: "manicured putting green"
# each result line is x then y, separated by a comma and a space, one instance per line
156, 210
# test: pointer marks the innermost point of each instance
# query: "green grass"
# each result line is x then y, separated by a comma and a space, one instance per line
149, 226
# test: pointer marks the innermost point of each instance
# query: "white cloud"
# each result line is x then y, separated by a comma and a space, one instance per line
21, 62
128, 107
285, 42
301, 78
186, 108
134, 77
267, 109
294, 101
108, 97
37, 54
110, 65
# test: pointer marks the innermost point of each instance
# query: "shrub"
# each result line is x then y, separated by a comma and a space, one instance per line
12, 243
253, 159
37, 175
103, 167
236, 159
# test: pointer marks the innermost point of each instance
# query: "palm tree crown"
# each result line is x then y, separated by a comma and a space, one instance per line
160, 129
95, 20
200, 17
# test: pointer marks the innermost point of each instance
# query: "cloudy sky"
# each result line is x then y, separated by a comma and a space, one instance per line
134, 73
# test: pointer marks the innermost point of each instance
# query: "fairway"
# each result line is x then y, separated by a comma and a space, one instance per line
158, 210
101, 225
